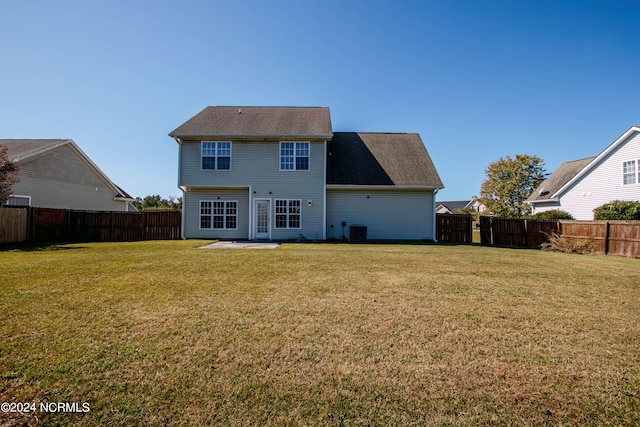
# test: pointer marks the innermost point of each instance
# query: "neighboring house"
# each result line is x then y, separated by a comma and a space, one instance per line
281, 173
456, 206
580, 186
55, 173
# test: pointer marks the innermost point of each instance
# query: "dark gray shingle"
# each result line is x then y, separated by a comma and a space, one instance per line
395, 159
257, 122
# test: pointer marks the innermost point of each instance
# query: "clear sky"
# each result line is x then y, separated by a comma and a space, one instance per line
478, 80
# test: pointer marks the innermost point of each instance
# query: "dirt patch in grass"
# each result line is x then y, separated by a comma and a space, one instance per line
160, 333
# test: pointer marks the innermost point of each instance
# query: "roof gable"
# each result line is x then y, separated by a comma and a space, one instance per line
563, 174
456, 204
394, 159
20, 149
258, 122
23, 149
570, 172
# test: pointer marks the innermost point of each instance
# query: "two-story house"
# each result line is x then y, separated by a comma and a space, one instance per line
281, 173
580, 186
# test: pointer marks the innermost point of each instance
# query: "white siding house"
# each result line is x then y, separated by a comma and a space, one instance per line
281, 173
56, 173
580, 186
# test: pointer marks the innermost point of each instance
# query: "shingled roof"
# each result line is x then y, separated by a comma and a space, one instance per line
565, 173
258, 122
18, 149
21, 149
394, 159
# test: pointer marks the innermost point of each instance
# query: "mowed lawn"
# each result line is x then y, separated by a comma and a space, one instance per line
164, 333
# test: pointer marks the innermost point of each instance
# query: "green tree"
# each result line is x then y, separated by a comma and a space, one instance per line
155, 202
509, 183
8, 174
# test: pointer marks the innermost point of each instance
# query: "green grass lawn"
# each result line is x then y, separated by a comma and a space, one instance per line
163, 333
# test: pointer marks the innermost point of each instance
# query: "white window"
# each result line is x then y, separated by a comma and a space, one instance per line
15, 200
219, 214
288, 214
216, 155
294, 156
630, 172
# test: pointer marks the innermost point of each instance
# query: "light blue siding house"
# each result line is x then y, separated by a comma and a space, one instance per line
281, 173
56, 173
580, 186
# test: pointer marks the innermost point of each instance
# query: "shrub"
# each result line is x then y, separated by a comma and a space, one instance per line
558, 243
618, 210
553, 214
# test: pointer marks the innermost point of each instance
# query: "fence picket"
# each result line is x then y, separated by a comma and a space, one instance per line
59, 225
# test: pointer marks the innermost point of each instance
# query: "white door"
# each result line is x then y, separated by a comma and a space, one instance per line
262, 219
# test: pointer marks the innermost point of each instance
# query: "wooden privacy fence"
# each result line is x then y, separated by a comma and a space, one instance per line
516, 232
13, 224
454, 228
64, 225
607, 237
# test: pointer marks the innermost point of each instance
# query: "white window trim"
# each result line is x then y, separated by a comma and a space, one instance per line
636, 173
17, 196
215, 156
275, 214
212, 215
294, 156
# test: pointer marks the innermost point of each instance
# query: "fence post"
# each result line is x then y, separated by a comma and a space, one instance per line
111, 226
485, 230
606, 238
67, 231
143, 222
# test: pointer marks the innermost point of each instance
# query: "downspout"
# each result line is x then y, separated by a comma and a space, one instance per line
433, 224
184, 191
250, 230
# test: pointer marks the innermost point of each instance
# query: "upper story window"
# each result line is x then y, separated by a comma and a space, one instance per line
631, 172
294, 156
216, 155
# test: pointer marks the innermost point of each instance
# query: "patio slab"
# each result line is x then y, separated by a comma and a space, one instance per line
242, 245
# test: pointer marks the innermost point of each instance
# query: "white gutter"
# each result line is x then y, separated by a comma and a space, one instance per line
383, 187
433, 231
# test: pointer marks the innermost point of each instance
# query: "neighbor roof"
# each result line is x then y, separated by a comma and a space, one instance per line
570, 172
454, 205
399, 159
262, 122
565, 173
19, 149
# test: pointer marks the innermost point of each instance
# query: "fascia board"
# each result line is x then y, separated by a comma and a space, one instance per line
252, 137
348, 187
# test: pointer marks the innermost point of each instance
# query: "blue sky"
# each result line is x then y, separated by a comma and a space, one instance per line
479, 80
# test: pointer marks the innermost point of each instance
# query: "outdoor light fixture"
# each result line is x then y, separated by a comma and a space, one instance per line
309, 203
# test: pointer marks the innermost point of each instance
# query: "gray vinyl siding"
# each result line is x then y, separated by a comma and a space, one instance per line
256, 165
395, 215
59, 178
603, 183
191, 208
